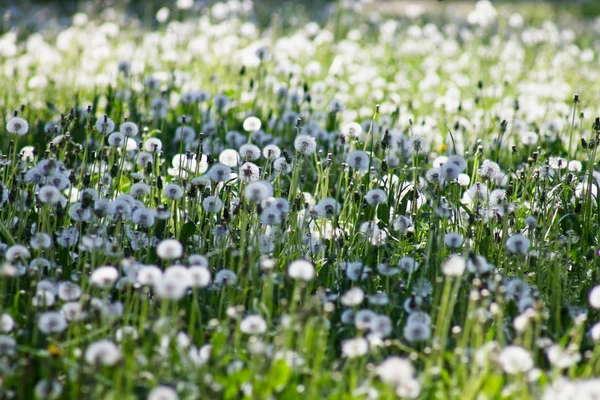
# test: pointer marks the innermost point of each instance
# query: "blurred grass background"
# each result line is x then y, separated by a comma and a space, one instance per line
34, 15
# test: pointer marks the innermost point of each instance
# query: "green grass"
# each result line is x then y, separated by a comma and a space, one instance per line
365, 298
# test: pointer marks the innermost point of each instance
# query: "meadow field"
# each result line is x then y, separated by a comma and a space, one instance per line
219, 200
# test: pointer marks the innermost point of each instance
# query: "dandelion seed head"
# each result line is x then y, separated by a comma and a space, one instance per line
305, 145
17, 126
301, 270
169, 249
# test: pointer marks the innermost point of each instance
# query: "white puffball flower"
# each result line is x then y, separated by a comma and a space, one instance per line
594, 297
356, 347
17, 126
163, 393
454, 266
353, 297
253, 325
104, 277
395, 370
518, 243
105, 125
305, 144
595, 332
103, 352
301, 270
515, 359
252, 124
169, 249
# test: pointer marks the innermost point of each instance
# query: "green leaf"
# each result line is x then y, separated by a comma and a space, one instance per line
279, 375
187, 230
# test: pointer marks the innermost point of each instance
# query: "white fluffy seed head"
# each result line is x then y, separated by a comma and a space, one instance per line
169, 249
301, 270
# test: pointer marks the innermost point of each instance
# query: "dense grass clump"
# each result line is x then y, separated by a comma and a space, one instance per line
368, 207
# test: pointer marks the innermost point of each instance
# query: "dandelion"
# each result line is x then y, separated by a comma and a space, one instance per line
454, 266
8, 345
478, 265
562, 358
219, 173
387, 269
69, 291
375, 197
152, 145
356, 271
229, 157
139, 189
401, 224
249, 152
73, 311
179, 273
418, 145
225, 277
79, 213
7, 323
172, 191
409, 389
185, 134
281, 165
116, 139
352, 130
408, 264
574, 166
517, 243
159, 108
105, 125
328, 207
594, 332
17, 126
170, 288
52, 322
394, 371
449, 172
271, 216
353, 348
529, 138
253, 325
594, 297
163, 393
249, 172
514, 359
364, 319
143, 217
148, 275
416, 332
104, 277
458, 161
144, 158
453, 240
271, 152
16, 252
359, 160
353, 297
169, 249
48, 389
251, 124
212, 204
382, 326
199, 276
102, 352
278, 203
258, 191
129, 129
221, 102
301, 270
305, 145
